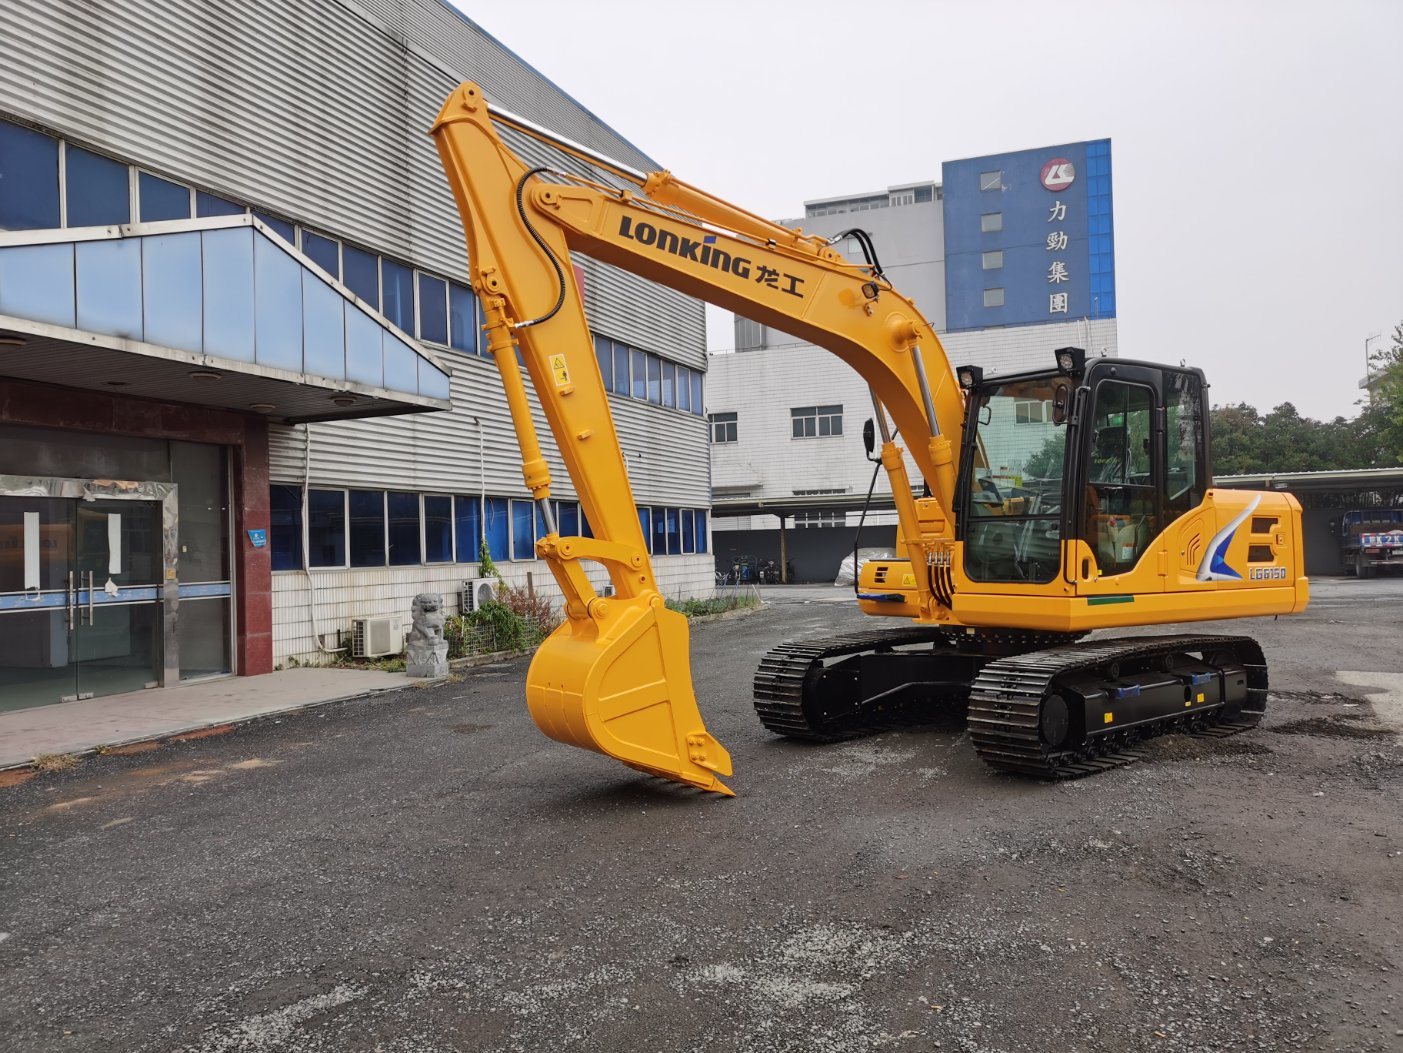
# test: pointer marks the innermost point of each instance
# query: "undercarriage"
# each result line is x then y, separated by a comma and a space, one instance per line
1039, 704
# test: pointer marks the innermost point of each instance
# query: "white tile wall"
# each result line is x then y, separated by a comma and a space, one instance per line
342, 595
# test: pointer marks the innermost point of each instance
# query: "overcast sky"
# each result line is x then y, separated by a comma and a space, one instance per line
1257, 146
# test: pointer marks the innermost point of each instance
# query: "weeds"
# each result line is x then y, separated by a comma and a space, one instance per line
55, 762
517, 620
715, 605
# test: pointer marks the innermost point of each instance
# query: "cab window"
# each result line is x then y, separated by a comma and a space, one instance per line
1013, 486
1120, 491
1185, 471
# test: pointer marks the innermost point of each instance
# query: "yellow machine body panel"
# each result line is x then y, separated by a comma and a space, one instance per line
1258, 542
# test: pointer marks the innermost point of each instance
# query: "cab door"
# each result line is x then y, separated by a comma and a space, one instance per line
1118, 509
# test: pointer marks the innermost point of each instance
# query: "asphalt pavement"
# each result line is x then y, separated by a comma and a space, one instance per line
423, 871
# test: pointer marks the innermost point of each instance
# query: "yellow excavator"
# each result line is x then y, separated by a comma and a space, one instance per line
1020, 540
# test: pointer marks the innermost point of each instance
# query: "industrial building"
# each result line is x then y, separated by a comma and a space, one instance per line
1009, 257
243, 401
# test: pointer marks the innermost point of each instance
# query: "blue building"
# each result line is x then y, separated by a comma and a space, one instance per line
1029, 237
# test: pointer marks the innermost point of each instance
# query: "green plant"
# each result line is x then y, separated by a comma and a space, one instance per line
715, 605
485, 566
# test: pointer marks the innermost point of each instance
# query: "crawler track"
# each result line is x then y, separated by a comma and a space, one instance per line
822, 690
1009, 702
1039, 704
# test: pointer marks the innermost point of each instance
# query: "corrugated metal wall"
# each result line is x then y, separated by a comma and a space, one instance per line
666, 450
318, 111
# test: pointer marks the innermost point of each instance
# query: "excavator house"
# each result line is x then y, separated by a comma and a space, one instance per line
1013, 553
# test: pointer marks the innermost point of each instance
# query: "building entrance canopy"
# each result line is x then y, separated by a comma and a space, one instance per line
216, 312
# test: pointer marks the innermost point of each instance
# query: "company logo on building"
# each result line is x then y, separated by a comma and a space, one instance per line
1058, 174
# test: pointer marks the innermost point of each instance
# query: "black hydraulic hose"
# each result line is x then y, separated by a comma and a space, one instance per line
869, 250
857, 538
550, 255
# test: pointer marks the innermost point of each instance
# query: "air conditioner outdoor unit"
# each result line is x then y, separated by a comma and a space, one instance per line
373, 637
476, 592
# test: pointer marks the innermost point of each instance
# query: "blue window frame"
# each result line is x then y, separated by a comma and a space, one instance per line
604, 353
324, 252
697, 395
285, 526
29, 176
689, 531
326, 528
467, 520
160, 199
523, 530
669, 384
655, 380
640, 373
438, 528
403, 529
99, 189
621, 368
281, 227
700, 518
567, 518
467, 523
367, 528
361, 274
209, 205
397, 282
462, 319
433, 310
498, 525
659, 543
684, 388
674, 535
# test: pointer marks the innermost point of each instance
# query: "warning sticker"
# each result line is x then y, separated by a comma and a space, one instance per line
908, 581
558, 370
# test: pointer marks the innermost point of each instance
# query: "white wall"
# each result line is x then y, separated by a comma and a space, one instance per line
762, 386
342, 595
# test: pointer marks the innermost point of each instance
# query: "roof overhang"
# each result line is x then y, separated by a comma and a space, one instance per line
212, 312
1303, 482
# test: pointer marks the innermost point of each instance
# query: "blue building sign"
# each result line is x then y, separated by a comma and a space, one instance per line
1029, 237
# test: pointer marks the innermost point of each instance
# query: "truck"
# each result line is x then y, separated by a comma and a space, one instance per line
1371, 540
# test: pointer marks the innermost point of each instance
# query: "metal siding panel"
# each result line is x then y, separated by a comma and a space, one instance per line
317, 110
666, 450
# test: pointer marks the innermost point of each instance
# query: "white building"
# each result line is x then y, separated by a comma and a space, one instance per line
786, 417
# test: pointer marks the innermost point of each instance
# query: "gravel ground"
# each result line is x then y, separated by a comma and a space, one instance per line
424, 871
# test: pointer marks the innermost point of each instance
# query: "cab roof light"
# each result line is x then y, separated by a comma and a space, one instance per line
970, 377
1070, 360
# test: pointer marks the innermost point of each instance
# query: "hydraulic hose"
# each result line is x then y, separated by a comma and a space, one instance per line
550, 255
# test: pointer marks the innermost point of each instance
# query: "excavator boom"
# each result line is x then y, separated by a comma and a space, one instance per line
615, 677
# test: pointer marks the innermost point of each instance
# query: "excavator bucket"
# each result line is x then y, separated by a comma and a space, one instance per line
620, 684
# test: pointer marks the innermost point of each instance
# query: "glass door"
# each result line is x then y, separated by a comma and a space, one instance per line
81, 598
117, 631
37, 608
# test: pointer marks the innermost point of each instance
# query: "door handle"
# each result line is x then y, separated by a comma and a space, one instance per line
90, 597
68, 601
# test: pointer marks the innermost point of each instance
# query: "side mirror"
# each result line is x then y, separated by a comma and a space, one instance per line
869, 436
1060, 394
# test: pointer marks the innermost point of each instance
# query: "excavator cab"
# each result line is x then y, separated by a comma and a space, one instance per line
1088, 464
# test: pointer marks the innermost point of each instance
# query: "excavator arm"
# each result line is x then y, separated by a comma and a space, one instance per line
615, 677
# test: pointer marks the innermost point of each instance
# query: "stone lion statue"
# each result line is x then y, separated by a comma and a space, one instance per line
427, 616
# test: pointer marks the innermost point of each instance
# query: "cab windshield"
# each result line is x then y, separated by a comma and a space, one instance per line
1013, 487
